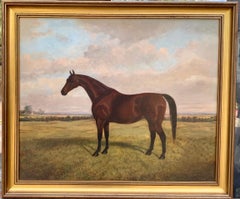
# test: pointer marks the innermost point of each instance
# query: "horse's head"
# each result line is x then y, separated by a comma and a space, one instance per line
70, 84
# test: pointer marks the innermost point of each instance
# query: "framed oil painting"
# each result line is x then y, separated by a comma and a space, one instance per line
118, 100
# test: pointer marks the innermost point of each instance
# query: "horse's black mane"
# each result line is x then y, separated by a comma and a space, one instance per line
97, 84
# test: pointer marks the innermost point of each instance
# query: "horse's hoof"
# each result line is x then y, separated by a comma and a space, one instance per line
95, 154
104, 152
162, 157
148, 152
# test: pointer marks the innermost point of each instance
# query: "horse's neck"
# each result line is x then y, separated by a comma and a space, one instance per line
93, 87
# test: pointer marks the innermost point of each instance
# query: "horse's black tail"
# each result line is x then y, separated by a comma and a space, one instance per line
173, 113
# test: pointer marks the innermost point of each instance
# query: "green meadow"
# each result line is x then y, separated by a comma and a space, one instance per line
62, 150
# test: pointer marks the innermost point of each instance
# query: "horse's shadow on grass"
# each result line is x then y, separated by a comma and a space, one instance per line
87, 144
90, 149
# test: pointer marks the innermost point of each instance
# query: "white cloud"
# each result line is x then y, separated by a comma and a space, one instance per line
126, 58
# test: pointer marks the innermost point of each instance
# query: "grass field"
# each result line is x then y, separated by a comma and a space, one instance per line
59, 150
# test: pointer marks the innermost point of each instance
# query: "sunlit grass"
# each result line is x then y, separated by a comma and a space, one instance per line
62, 151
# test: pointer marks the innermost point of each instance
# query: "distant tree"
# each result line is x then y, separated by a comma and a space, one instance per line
28, 109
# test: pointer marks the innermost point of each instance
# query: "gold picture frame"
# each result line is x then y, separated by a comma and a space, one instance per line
220, 187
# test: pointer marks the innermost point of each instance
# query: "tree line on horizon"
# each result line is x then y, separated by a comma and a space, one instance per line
29, 114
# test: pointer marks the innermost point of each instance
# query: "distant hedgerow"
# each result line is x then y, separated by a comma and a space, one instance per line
197, 119
43, 118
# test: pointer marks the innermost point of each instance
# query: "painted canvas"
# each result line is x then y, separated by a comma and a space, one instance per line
59, 127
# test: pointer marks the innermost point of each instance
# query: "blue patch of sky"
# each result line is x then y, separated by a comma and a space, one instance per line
67, 38
173, 41
163, 66
56, 39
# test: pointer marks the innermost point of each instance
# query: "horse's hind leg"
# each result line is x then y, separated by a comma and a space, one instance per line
106, 133
152, 136
163, 140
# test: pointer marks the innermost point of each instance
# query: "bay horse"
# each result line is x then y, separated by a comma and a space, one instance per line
109, 105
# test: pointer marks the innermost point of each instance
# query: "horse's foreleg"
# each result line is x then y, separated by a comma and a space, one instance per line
106, 133
163, 140
152, 137
96, 153
99, 136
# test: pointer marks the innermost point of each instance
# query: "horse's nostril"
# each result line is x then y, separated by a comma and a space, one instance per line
62, 92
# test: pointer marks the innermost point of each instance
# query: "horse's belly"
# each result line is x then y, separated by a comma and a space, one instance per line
125, 115
125, 120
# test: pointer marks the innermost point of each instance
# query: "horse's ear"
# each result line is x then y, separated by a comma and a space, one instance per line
72, 72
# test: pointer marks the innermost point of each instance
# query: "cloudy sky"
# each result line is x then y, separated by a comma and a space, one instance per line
174, 56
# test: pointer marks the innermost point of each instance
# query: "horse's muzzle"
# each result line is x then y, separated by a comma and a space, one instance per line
63, 92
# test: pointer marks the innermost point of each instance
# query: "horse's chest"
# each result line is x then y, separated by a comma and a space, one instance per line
103, 107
